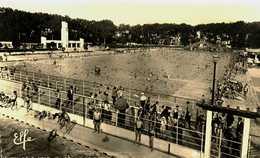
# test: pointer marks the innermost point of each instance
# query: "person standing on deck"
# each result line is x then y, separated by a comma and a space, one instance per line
70, 96
138, 130
58, 99
121, 105
97, 120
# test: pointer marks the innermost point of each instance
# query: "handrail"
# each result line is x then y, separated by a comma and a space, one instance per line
192, 140
108, 85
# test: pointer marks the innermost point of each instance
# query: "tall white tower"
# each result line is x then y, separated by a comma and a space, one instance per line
64, 34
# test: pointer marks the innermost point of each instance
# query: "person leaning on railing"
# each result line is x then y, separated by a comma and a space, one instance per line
106, 108
91, 104
70, 96
143, 99
121, 105
97, 119
58, 99
138, 130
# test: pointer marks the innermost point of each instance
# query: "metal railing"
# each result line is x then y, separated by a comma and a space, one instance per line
254, 146
223, 147
175, 133
86, 88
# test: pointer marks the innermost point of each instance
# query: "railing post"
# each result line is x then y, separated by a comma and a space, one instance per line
249, 146
73, 105
219, 145
83, 88
245, 138
208, 134
20, 76
169, 148
21, 92
48, 81
14, 76
177, 131
84, 111
49, 97
1, 150
129, 94
61, 100
116, 117
39, 98
202, 139
64, 82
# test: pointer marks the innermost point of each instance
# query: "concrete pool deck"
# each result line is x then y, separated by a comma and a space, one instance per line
79, 134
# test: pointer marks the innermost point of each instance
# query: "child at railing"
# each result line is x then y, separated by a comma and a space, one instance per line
138, 130
91, 105
97, 120
163, 126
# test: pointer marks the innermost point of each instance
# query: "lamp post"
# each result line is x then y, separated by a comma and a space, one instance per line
215, 59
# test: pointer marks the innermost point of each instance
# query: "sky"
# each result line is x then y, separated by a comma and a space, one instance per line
146, 11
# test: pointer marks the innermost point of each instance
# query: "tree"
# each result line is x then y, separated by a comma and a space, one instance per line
31, 26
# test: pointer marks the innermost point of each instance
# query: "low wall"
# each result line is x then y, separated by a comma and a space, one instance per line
159, 144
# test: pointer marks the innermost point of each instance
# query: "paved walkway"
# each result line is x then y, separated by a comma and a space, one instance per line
85, 136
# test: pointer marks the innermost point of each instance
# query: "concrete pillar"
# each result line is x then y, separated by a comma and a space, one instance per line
64, 34
208, 134
245, 138
81, 45
44, 42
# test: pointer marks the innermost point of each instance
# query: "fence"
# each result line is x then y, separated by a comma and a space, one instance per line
85, 88
83, 106
222, 147
254, 148
173, 132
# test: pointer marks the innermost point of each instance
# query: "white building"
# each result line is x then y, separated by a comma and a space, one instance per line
6, 44
64, 42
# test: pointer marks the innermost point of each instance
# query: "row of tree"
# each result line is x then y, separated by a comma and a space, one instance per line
19, 26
